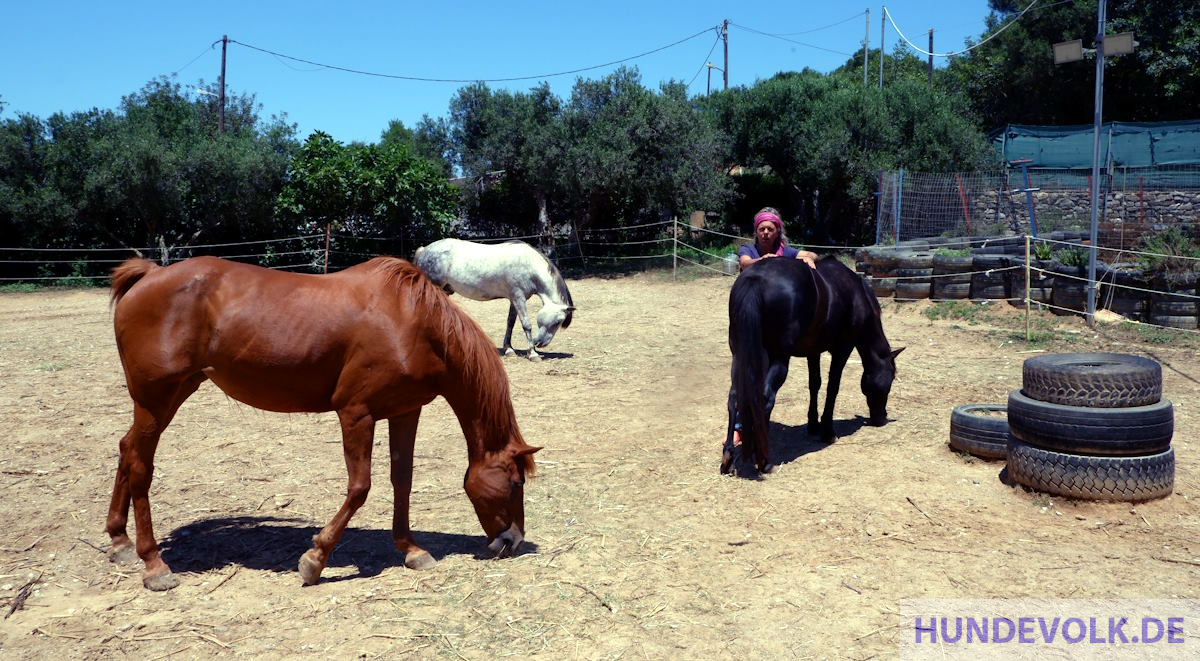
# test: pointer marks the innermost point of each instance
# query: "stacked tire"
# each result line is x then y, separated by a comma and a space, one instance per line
914, 272
951, 277
1092, 426
881, 270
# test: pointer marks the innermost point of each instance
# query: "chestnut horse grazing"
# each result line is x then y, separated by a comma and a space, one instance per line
374, 342
779, 308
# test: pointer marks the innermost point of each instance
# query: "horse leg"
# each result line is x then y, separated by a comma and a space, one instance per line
518, 303
814, 389
135, 471
836, 364
358, 433
776, 375
507, 349
728, 447
402, 436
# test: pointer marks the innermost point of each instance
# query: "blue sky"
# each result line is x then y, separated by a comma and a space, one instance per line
72, 56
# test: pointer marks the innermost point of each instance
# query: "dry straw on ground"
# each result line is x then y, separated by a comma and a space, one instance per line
638, 548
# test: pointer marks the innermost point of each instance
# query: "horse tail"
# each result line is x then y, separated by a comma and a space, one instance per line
750, 366
127, 274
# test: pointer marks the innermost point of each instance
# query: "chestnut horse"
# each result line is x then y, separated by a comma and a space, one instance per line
779, 308
373, 342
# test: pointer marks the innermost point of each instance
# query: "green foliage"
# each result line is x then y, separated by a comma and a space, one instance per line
955, 310
1171, 254
1072, 256
366, 190
1042, 250
19, 288
952, 252
1012, 79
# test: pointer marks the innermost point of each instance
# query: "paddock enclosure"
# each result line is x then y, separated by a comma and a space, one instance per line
636, 547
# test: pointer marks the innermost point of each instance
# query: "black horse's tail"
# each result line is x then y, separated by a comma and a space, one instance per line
749, 368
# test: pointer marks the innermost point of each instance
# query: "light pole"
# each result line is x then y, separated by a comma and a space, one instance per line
710, 66
1071, 51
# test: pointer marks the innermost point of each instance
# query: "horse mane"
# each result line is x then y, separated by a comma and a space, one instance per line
126, 275
476, 358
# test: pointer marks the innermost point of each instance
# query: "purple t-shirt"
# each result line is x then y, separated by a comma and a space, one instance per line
751, 250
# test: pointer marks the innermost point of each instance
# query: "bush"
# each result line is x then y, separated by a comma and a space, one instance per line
1170, 256
1072, 256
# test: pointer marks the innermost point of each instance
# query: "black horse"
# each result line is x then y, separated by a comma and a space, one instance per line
779, 308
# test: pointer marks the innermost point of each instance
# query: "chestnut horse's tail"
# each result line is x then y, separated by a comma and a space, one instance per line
125, 276
750, 365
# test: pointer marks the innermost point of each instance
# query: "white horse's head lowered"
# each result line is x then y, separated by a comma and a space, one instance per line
550, 318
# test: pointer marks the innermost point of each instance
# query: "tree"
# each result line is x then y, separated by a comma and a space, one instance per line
1012, 77
514, 133
367, 190
825, 137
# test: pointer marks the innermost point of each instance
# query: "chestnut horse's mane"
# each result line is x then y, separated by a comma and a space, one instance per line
474, 356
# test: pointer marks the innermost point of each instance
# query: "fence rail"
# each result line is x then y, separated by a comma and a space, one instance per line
678, 245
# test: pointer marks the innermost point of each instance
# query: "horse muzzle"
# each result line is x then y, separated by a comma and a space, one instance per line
506, 543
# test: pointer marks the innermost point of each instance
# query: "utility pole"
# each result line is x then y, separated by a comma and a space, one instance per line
725, 38
930, 56
882, 28
221, 100
866, 43
1101, 17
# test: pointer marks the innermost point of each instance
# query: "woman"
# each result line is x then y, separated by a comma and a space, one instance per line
769, 241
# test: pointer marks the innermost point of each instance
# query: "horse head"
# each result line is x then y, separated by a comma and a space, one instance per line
877, 385
496, 487
550, 318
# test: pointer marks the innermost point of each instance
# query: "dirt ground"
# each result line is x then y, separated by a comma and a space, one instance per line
637, 547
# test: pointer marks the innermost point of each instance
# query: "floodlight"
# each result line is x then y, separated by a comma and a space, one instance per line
1069, 51
1118, 44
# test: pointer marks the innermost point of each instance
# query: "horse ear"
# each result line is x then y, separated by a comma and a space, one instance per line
897, 352
528, 449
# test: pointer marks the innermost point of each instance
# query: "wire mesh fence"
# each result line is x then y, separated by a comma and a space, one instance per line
1133, 203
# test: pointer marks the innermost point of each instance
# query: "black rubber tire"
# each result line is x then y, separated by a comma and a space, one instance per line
950, 290
911, 291
1112, 432
981, 435
1172, 321
1131, 479
1099, 380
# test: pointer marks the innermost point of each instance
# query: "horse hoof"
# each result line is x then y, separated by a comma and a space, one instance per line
726, 462
310, 567
767, 469
419, 560
160, 582
123, 555
537, 358
508, 352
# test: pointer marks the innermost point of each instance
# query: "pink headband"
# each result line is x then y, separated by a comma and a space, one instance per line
764, 216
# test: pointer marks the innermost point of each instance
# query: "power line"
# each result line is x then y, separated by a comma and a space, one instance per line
792, 41
826, 27
466, 80
959, 52
707, 59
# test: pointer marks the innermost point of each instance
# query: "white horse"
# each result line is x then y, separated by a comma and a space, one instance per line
512, 270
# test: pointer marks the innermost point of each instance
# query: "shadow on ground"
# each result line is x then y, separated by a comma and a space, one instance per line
276, 544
